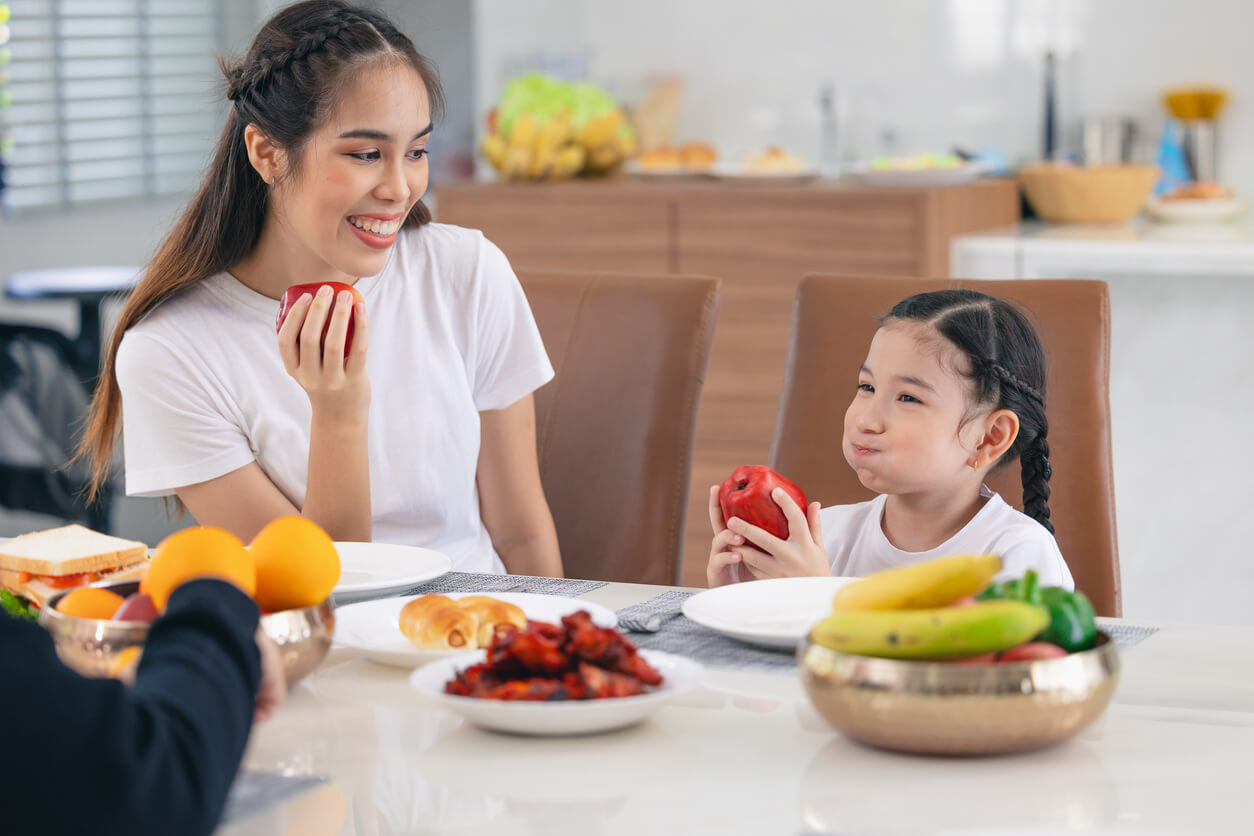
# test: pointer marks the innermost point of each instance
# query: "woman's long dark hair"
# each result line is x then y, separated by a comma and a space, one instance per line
1006, 364
286, 85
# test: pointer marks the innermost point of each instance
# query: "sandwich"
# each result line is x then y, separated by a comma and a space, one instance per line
36, 566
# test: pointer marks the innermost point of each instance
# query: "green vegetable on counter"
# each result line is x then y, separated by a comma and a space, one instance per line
1071, 622
17, 607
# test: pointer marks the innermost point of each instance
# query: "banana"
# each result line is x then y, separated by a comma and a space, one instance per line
523, 133
493, 148
569, 161
941, 633
600, 131
934, 583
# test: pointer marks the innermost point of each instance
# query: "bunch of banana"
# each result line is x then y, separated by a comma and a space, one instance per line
907, 613
545, 129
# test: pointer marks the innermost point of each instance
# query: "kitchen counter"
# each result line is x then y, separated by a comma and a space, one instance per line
1141, 245
1182, 357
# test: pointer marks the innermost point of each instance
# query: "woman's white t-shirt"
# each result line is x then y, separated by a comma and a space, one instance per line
204, 391
854, 540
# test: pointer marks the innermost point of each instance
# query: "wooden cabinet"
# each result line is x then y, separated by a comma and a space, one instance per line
759, 240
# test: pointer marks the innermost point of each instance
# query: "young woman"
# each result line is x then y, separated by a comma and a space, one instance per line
953, 384
423, 431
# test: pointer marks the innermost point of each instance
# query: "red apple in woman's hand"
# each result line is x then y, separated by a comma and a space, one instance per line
747, 495
297, 290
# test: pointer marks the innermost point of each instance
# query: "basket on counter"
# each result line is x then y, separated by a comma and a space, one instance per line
1087, 194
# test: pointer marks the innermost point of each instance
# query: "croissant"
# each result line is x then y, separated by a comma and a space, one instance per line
434, 622
489, 613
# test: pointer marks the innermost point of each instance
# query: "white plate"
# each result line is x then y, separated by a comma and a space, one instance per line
1198, 211
913, 178
386, 567
733, 172
679, 675
373, 627
634, 168
774, 613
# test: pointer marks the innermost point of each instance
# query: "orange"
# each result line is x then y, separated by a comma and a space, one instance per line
297, 564
90, 602
203, 551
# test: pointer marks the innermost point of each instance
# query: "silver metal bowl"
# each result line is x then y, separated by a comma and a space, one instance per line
99, 648
951, 709
91, 646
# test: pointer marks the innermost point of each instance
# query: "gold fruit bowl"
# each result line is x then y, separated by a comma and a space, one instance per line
96, 647
946, 708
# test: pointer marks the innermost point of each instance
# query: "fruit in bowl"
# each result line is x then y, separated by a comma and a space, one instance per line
907, 661
290, 569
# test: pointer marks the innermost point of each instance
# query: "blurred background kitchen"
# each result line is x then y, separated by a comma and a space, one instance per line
108, 109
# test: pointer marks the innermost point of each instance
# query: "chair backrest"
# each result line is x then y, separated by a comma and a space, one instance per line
614, 428
834, 319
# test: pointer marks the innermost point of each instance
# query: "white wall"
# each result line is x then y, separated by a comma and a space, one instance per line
934, 72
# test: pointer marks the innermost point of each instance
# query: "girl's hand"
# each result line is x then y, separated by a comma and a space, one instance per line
801, 555
725, 565
336, 386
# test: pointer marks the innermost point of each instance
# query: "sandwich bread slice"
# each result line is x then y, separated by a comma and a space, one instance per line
38, 565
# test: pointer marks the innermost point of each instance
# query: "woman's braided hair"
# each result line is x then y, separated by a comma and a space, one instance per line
1007, 366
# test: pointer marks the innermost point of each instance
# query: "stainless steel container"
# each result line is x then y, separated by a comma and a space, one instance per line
1197, 138
1108, 140
952, 709
102, 648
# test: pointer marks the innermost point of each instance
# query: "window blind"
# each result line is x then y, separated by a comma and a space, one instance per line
106, 99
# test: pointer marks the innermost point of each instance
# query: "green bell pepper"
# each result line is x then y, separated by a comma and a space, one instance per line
1071, 622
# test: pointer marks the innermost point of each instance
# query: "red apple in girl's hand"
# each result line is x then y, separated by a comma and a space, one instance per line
297, 290
747, 494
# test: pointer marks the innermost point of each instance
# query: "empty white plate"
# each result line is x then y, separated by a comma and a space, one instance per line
774, 613
386, 567
560, 717
373, 627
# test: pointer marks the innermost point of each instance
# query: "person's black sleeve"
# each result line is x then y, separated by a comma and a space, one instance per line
84, 755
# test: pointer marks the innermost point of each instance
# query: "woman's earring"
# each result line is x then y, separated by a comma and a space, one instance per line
974, 464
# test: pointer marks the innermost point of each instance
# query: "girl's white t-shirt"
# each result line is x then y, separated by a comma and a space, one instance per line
854, 540
204, 391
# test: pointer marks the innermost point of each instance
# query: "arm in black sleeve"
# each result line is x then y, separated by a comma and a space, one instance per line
87, 755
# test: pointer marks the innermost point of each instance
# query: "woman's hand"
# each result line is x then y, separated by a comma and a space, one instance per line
337, 386
801, 555
337, 491
725, 565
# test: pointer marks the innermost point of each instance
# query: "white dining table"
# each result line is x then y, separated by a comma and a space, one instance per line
746, 753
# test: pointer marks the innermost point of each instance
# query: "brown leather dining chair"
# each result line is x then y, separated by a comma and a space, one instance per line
615, 427
834, 318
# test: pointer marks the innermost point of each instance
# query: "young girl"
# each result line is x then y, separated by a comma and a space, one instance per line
953, 384
422, 431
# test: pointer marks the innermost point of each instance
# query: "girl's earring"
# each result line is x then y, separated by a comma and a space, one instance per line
974, 464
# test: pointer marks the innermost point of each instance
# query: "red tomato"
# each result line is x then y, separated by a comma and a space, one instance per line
1031, 651
297, 290
67, 581
747, 494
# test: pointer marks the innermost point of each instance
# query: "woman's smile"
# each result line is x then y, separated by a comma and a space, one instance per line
377, 231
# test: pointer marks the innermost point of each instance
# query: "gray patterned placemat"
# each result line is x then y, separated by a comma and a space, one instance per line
255, 791
1125, 635
658, 624
676, 633
484, 582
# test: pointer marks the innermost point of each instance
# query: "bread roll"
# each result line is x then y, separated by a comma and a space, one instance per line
434, 622
418, 616
489, 613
